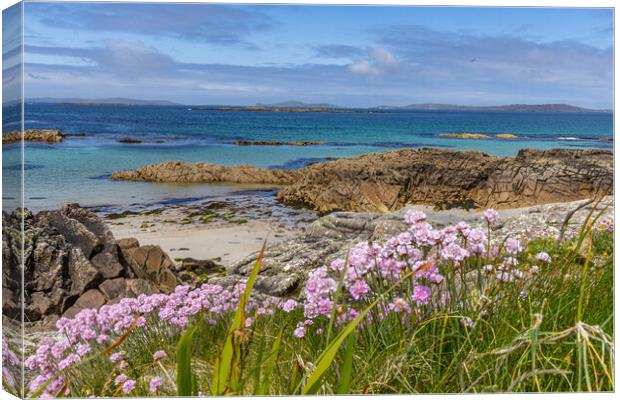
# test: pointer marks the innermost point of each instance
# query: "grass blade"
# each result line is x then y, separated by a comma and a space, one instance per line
327, 357
184, 363
269, 366
344, 383
224, 372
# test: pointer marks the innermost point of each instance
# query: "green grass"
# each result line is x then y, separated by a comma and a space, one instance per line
523, 336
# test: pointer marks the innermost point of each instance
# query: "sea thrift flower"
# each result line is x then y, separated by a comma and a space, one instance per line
359, 289
490, 215
116, 357
289, 305
454, 252
123, 364
128, 386
414, 216
421, 294
300, 332
155, 384
512, 246
82, 349
159, 355
399, 305
543, 257
534, 270
120, 379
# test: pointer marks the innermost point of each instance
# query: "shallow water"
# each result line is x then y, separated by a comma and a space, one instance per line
78, 169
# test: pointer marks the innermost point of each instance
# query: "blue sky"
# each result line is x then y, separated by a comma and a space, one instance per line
346, 55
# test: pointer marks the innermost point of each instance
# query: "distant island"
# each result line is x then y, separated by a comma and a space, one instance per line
509, 107
300, 107
116, 101
296, 104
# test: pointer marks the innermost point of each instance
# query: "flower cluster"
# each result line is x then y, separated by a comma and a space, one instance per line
419, 264
92, 330
420, 258
605, 225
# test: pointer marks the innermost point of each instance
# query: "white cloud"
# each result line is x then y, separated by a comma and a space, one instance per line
378, 61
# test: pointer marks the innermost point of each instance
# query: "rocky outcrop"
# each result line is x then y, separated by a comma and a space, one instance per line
182, 172
479, 136
390, 180
33, 135
274, 143
72, 261
286, 265
446, 179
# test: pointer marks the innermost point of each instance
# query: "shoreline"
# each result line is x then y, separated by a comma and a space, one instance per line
386, 181
224, 229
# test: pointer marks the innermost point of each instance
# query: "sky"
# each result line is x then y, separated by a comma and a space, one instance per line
357, 56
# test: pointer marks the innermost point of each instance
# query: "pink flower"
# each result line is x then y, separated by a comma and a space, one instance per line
289, 305
155, 384
421, 294
159, 355
300, 332
359, 289
454, 252
116, 357
120, 379
490, 215
128, 386
399, 305
512, 246
414, 216
543, 257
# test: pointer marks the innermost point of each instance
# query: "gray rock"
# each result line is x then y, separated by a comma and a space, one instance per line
68, 253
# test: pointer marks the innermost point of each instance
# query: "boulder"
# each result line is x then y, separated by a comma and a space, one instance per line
151, 263
197, 266
182, 172
33, 135
72, 261
92, 299
113, 289
128, 243
379, 182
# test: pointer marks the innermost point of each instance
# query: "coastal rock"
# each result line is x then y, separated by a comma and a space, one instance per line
91, 299
71, 261
388, 181
197, 266
152, 264
128, 243
286, 265
275, 143
129, 141
447, 179
182, 172
33, 135
479, 135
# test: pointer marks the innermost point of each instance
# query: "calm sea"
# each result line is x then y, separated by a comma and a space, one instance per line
78, 169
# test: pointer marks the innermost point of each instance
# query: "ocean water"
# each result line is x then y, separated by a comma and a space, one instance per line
78, 169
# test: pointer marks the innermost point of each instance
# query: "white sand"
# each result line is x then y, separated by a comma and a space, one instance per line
230, 242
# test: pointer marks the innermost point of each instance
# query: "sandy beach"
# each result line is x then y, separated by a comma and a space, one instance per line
225, 230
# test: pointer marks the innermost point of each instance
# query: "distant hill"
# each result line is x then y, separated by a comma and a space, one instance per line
109, 101
297, 104
509, 107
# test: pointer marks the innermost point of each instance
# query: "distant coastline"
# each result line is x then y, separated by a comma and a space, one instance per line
300, 107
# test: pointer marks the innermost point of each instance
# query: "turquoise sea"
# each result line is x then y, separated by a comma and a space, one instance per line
78, 169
